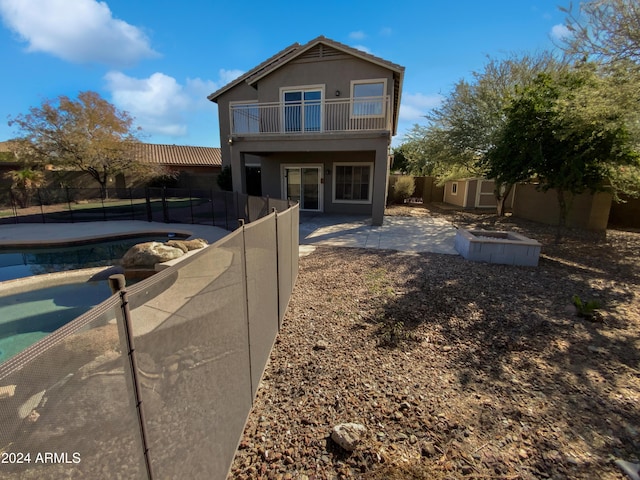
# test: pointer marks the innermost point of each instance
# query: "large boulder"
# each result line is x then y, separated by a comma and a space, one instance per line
146, 255
188, 245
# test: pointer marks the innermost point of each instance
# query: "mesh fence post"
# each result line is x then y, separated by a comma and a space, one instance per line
133, 211
226, 212
14, 208
118, 282
102, 197
148, 201
165, 207
213, 214
44, 220
236, 201
280, 314
245, 285
191, 206
66, 192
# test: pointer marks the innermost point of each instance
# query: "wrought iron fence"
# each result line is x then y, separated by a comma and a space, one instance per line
167, 205
158, 380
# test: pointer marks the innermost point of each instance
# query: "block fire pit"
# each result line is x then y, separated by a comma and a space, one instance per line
497, 247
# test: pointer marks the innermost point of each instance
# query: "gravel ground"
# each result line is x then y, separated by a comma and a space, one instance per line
456, 369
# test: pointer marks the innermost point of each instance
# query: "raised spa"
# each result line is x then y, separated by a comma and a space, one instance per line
497, 247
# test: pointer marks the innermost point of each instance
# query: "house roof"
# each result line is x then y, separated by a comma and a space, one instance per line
296, 50
168, 155
179, 155
268, 65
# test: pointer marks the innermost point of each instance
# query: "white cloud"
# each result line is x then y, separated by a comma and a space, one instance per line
159, 103
80, 31
386, 31
560, 31
227, 76
362, 47
415, 106
359, 35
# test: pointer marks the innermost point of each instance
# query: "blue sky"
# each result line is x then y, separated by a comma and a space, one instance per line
159, 59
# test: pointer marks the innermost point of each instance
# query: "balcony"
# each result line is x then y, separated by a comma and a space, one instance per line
361, 114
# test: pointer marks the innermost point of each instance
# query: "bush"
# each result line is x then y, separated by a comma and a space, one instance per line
225, 182
403, 189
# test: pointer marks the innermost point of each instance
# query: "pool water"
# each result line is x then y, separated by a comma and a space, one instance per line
27, 317
19, 263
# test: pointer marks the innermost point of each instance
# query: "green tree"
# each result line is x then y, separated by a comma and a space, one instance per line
419, 153
225, 181
464, 127
403, 188
28, 178
400, 162
570, 132
87, 133
24, 182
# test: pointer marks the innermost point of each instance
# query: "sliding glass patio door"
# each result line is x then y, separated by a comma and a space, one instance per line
303, 185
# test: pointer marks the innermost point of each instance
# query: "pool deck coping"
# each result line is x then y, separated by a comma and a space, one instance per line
37, 282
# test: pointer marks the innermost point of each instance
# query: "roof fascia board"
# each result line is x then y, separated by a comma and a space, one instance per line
274, 59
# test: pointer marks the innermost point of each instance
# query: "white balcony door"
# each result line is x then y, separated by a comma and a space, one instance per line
302, 110
304, 185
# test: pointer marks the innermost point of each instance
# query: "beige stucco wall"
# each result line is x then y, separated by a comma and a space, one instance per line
241, 92
587, 211
334, 74
272, 175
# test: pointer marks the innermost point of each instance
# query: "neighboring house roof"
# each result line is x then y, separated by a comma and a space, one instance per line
168, 155
179, 155
296, 50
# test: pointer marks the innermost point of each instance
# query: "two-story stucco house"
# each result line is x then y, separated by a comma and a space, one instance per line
314, 124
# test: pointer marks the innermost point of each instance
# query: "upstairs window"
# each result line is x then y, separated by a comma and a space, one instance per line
368, 98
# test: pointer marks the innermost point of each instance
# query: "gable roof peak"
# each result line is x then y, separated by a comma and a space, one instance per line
295, 50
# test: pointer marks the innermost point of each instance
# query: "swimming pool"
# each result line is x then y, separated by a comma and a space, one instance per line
24, 262
26, 317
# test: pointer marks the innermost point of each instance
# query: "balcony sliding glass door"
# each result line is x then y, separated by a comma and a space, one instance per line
302, 110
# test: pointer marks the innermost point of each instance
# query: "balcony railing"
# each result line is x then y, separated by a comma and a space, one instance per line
360, 114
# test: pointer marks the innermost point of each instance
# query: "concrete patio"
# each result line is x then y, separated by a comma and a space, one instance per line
406, 234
